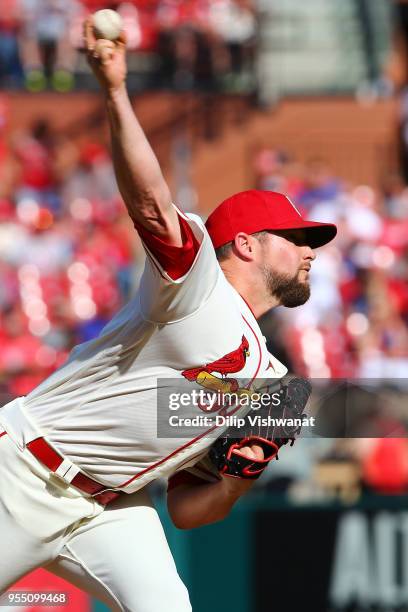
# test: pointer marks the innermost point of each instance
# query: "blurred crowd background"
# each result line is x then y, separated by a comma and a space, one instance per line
186, 44
69, 256
309, 99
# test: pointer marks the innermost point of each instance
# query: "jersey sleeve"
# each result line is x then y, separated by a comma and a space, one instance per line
175, 261
178, 280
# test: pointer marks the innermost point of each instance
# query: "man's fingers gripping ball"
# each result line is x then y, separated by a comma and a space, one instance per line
103, 51
107, 58
89, 36
94, 42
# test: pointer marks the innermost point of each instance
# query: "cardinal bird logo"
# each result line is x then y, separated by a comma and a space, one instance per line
229, 364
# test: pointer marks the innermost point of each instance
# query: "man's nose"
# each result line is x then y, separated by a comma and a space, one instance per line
308, 253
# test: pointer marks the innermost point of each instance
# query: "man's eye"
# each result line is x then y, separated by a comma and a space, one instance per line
293, 238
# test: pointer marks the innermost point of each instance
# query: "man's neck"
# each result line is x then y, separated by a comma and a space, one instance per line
252, 292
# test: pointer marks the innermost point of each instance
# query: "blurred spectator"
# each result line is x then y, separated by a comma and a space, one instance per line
11, 71
318, 184
92, 178
234, 22
207, 44
368, 42
396, 197
183, 43
47, 52
8, 168
34, 151
397, 73
398, 64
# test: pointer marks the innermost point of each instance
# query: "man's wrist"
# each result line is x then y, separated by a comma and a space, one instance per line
116, 94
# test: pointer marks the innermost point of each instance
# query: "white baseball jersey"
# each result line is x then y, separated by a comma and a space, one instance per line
100, 408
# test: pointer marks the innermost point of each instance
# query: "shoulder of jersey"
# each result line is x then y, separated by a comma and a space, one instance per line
196, 218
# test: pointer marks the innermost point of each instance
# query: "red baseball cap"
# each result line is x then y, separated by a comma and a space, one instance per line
255, 211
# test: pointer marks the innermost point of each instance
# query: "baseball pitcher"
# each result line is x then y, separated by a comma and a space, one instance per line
77, 452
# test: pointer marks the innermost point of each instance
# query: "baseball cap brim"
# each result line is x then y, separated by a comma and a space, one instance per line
256, 211
316, 234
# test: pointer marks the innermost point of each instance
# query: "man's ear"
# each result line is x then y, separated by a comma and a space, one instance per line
243, 246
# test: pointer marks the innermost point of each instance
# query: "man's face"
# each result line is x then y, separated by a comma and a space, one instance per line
285, 263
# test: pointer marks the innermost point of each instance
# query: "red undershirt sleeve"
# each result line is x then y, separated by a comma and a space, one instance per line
176, 261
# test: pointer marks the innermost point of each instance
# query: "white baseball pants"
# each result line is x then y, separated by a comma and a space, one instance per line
119, 554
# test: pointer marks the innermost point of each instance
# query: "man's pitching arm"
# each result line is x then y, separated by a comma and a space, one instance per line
195, 505
140, 179
239, 460
202, 503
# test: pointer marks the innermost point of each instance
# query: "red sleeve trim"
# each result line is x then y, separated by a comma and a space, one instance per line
181, 478
176, 261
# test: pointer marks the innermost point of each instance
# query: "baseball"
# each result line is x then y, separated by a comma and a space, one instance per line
107, 24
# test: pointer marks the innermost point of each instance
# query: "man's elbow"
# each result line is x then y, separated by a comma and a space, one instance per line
181, 518
158, 219
187, 520
182, 523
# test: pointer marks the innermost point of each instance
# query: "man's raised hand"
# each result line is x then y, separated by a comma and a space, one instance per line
107, 58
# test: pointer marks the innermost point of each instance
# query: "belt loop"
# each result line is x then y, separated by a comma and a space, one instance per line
67, 471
